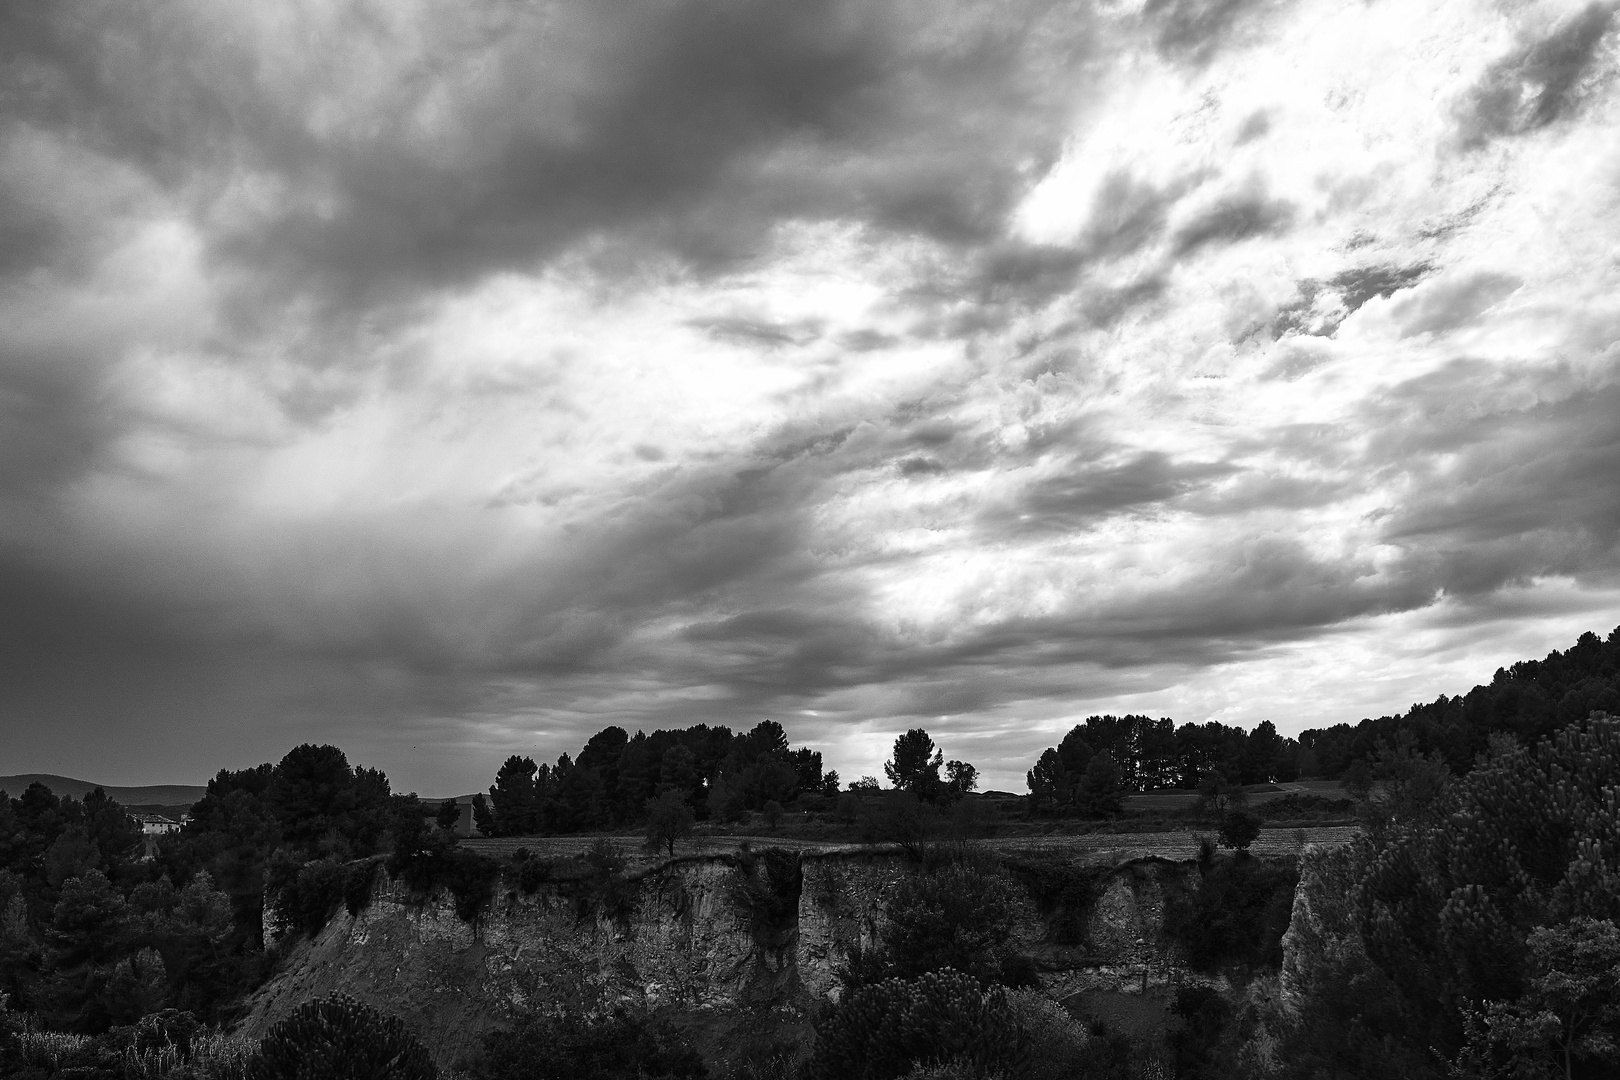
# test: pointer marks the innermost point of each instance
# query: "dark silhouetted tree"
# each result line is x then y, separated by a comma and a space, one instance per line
915, 766
960, 778
1101, 792
669, 821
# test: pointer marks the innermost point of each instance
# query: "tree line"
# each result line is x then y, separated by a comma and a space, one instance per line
609, 784
1105, 758
1528, 700
95, 934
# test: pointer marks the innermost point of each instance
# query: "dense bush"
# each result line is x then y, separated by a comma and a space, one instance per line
1199, 1041
169, 1027
1456, 935
435, 861
882, 1031
340, 1037
622, 1046
1236, 915
1297, 807
358, 881
304, 895
527, 872
601, 890
957, 915
1239, 829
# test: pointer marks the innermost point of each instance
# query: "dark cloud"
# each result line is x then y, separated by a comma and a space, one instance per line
51, 430
517, 131
867, 340
1360, 284
1535, 84
921, 466
1255, 127
1104, 306
1193, 30
1026, 273
1126, 216
1354, 287
1093, 491
758, 332
1232, 219
1516, 472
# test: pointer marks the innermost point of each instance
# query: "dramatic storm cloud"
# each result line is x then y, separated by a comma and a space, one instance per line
450, 380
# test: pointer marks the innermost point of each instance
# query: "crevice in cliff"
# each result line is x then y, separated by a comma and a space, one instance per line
766, 893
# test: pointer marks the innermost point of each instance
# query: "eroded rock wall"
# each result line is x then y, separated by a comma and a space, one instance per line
689, 940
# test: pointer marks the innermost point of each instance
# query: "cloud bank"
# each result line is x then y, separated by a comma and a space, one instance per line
446, 381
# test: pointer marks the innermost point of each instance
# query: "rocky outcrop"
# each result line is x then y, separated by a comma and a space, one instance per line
697, 935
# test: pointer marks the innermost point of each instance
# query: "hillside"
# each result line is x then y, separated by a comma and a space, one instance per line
1529, 700
150, 795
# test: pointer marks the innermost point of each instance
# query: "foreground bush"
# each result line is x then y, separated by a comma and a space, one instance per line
617, 1047
144, 1052
883, 1031
958, 915
340, 1037
1471, 931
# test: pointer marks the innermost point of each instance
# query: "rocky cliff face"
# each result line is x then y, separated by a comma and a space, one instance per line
699, 935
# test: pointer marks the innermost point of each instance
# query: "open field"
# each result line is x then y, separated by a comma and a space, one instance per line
1168, 799
1101, 847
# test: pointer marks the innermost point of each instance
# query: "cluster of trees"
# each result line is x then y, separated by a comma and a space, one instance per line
1105, 758
1472, 931
91, 934
1529, 701
915, 768
943, 992
610, 783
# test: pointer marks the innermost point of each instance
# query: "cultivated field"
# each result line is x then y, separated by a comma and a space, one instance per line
1098, 847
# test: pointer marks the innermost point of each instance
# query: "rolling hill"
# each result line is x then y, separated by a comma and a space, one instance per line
151, 795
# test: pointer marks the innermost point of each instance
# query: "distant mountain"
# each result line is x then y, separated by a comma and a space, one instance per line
152, 795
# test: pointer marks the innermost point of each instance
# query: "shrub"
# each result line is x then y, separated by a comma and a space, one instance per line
340, 1037
1295, 806
772, 812
1060, 1048
957, 916
358, 881
899, 817
669, 821
303, 896
527, 873
612, 1047
1236, 915
1197, 1040
435, 861
883, 1031
848, 810
1239, 829
170, 1027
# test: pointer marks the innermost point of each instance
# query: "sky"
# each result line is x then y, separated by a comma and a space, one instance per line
451, 380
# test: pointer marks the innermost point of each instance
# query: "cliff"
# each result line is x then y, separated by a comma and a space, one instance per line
702, 937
